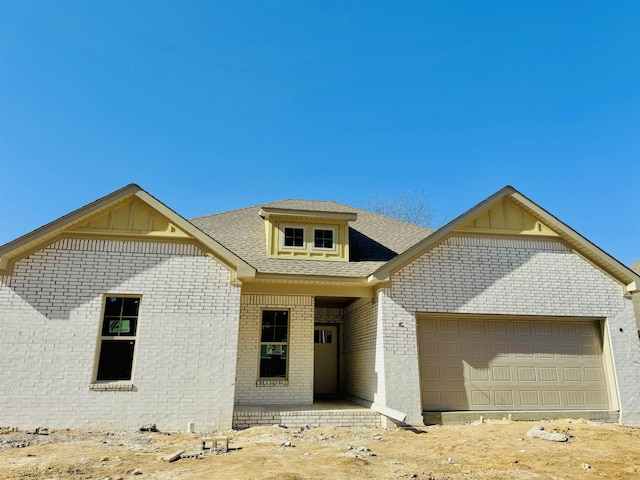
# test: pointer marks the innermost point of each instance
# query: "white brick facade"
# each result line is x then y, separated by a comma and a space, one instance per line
360, 341
198, 342
186, 345
495, 275
298, 387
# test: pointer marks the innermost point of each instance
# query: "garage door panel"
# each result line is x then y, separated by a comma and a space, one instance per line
515, 364
550, 398
475, 327
497, 327
530, 398
450, 349
543, 329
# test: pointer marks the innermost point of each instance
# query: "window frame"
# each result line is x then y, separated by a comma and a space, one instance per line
286, 344
102, 382
333, 238
294, 247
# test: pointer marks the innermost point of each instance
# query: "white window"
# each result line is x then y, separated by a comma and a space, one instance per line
273, 344
118, 338
323, 238
294, 237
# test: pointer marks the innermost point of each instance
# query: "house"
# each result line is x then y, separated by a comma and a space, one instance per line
123, 313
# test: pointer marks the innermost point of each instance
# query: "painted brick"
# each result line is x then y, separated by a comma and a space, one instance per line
299, 385
494, 275
360, 344
51, 316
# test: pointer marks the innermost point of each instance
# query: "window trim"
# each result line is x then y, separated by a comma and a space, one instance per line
273, 380
294, 247
333, 239
106, 384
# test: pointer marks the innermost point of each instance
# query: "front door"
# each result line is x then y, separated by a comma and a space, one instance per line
325, 364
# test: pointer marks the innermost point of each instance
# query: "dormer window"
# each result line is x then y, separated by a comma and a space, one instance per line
294, 237
307, 234
323, 238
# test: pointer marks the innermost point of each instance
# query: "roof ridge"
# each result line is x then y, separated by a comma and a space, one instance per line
273, 203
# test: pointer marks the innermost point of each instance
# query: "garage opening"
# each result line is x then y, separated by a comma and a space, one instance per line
496, 362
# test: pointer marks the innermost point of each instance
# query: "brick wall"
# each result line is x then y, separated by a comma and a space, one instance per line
495, 275
360, 344
307, 419
50, 318
298, 387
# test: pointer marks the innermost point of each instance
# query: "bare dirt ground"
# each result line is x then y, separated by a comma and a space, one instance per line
491, 450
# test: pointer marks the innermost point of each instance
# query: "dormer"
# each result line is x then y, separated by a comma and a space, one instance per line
307, 234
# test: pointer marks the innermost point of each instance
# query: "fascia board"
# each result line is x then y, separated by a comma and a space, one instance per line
48, 233
266, 212
604, 261
318, 279
584, 247
38, 238
226, 256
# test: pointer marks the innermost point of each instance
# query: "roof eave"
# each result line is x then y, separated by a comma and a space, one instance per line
573, 239
49, 233
409, 255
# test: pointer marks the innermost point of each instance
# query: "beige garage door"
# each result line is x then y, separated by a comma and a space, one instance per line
510, 363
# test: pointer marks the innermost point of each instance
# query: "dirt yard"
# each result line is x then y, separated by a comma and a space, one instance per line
491, 450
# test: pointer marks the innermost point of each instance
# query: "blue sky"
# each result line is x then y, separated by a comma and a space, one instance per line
211, 106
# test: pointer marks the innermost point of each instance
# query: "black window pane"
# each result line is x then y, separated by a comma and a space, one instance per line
130, 307
113, 306
116, 360
323, 238
294, 237
274, 326
322, 336
273, 361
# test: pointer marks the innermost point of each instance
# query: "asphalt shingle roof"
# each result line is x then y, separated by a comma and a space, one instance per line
373, 239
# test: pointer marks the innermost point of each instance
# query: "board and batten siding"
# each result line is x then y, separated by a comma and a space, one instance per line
50, 320
506, 276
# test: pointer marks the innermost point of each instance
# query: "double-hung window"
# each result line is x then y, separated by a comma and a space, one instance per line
118, 338
273, 344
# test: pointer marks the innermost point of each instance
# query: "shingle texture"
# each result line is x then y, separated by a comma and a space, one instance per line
373, 239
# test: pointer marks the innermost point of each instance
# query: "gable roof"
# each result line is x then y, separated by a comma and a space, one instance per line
379, 245
373, 239
570, 237
51, 232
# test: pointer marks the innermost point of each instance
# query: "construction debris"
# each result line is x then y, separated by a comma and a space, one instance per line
174, 456
151, 427
191, 456
539, 432
215, 445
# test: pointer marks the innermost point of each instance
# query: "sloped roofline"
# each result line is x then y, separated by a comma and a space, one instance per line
47, 234
573, 239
